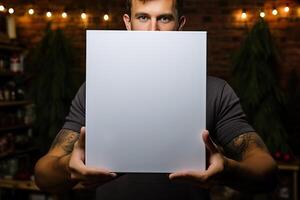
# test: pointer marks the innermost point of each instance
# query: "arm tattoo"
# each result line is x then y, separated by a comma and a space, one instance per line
65, 139
239, 146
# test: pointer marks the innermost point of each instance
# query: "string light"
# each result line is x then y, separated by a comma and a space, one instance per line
64, 15
106, 17
287, 8
49, 14
83, 16
275, 11
262, 14
11, 11
244, 14
2, 8
31, 11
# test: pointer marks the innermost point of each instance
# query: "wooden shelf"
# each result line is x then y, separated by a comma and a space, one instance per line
14, 103
290, 166
15, 127
18, 153
10, 47
16, 184
10, 74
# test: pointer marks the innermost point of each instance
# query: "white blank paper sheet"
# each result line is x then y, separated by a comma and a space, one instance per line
145, 100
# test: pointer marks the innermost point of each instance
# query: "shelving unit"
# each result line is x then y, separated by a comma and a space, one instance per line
17, 153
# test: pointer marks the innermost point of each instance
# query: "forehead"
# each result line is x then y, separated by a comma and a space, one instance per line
152, 6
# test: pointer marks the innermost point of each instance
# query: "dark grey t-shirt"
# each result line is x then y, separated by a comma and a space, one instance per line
225, 120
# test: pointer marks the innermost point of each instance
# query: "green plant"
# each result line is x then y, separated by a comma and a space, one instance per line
255, 81
53, 84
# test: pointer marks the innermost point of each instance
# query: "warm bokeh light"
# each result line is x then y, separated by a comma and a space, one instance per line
64, 15
11, 11
49, 14
286, 9
30, 11
262, 14
244, 15
83, 15
275, 11
2, 8
106, 17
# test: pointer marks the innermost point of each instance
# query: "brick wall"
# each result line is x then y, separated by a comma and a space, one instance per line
221, 18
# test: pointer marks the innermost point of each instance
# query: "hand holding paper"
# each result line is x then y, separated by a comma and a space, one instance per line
87, 176
204, 179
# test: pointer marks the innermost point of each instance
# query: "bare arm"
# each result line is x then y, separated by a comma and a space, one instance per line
51, 171
245, 165
249, 166
63, 166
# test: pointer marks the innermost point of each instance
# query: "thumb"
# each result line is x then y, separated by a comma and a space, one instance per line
208, 142
81, 140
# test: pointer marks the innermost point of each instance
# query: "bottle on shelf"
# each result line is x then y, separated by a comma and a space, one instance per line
6, 144
6, 94
15, 63
4, 63
11, 92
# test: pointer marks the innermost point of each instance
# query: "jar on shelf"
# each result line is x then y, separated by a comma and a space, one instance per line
20, 94
6, 144
29, 114
15, 63
4, 63
20, 116
6, 94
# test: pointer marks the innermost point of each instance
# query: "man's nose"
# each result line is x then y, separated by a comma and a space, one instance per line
154, 25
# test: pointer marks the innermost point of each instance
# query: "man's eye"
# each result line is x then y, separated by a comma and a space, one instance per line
142, 18
165, 19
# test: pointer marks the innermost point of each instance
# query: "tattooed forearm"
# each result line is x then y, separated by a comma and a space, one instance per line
240, 145
65, 139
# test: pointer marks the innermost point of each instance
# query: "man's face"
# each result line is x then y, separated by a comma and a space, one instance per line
153, 15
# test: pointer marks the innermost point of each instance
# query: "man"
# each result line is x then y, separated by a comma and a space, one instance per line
237, 157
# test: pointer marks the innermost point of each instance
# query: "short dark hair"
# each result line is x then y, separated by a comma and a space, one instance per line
179, 6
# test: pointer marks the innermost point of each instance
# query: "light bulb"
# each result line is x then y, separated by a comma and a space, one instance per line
49, 14
275, 11
2, 8
286, 9
106, 17
244, 14
64, 15
83, 15
262, 14
31, 11
11, 11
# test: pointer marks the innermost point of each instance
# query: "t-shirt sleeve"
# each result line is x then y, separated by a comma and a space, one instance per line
76, 117
230, 118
